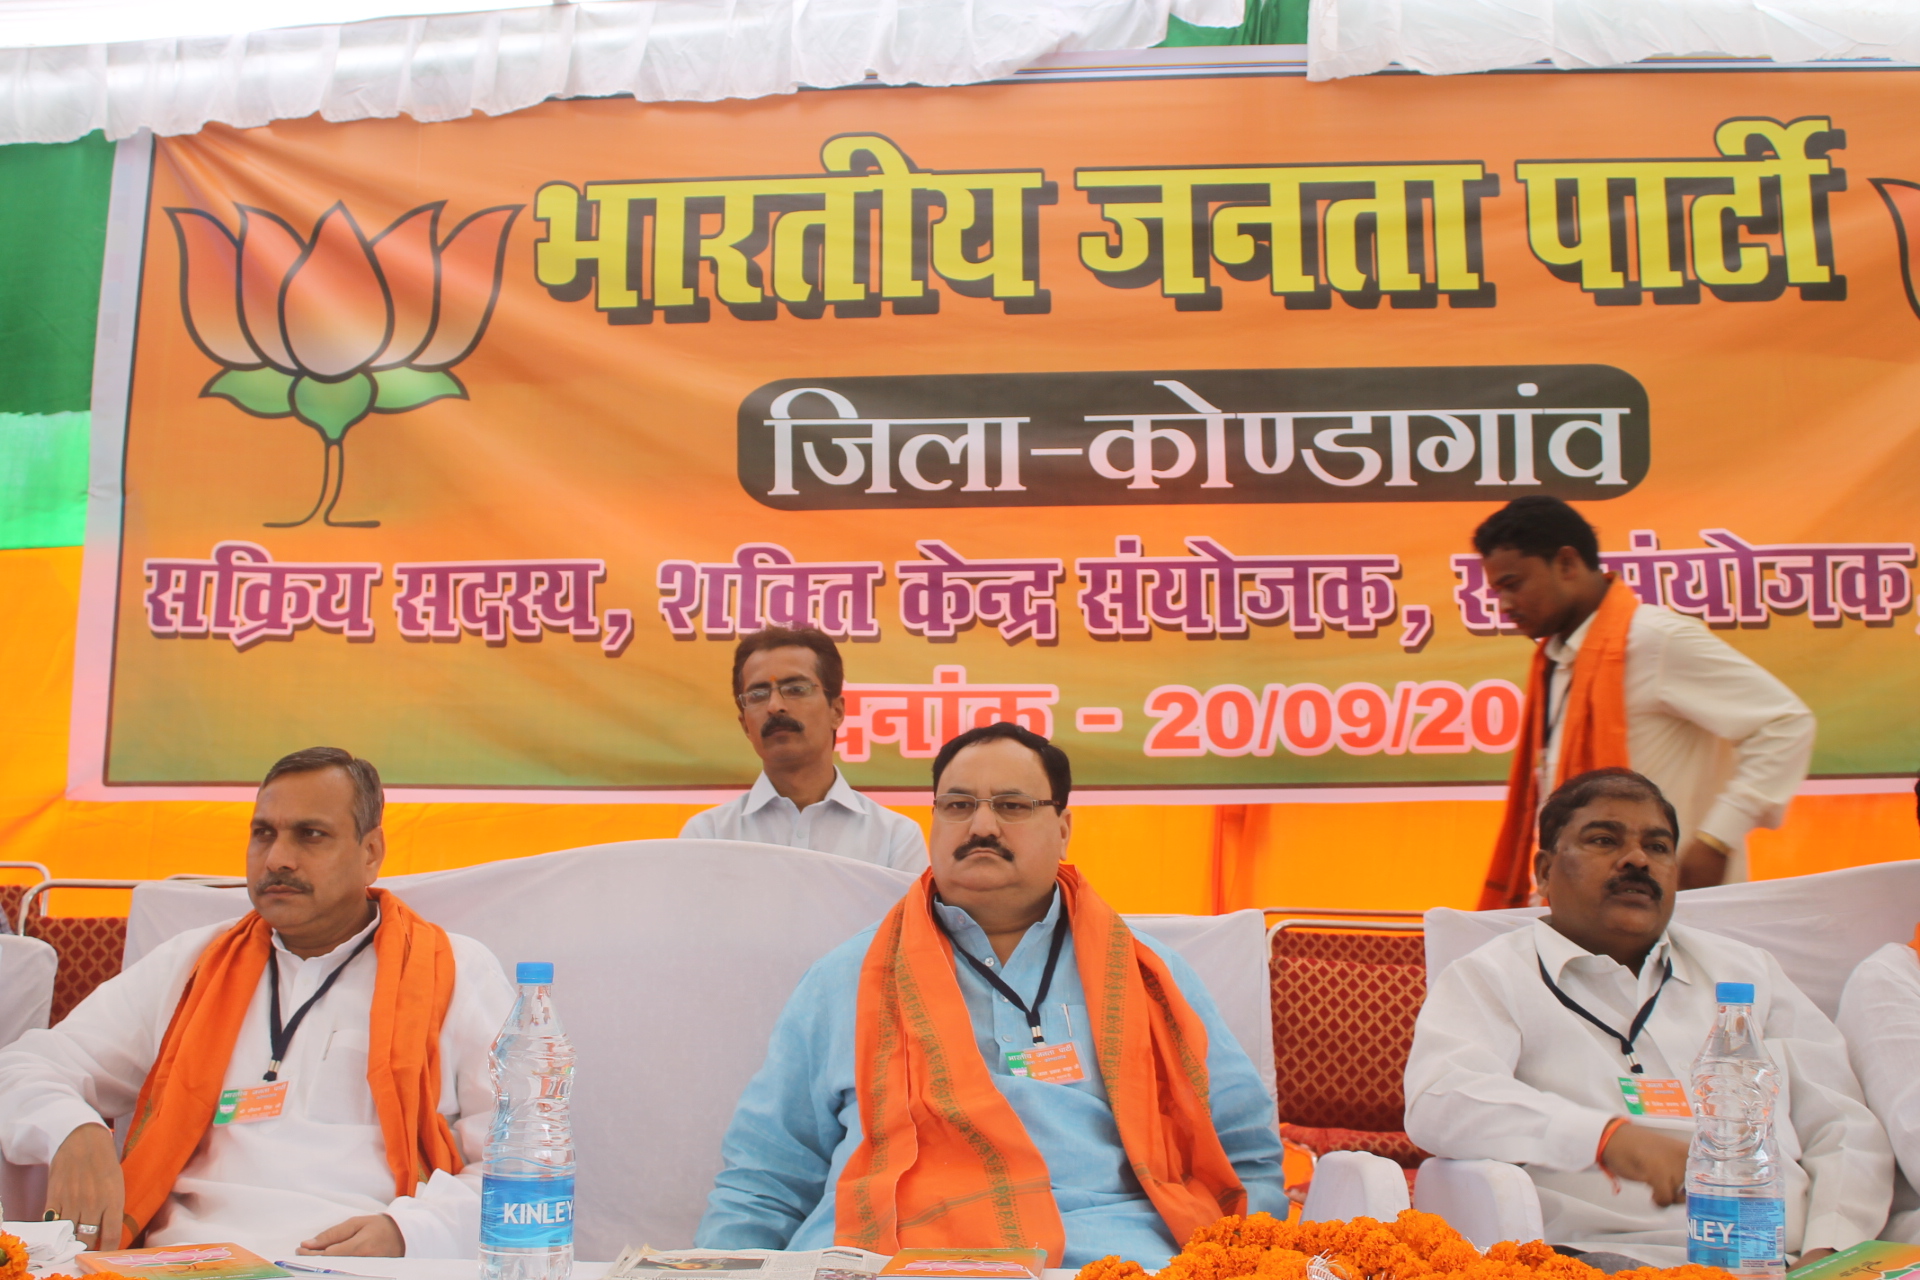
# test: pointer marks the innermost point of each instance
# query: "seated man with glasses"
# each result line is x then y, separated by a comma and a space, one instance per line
787, 685
1000, 1062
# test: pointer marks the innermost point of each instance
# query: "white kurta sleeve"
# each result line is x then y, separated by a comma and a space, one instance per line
1880, 1018
1843, 1149
1463, 1099
1704, 680
89, 1069
442, 1219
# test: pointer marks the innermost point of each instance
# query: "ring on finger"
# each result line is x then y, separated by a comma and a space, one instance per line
87, 1230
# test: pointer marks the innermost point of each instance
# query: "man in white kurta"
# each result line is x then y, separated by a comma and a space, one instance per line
1880, 1016
1501, 1069
315, 1178
1726, 742
787, 686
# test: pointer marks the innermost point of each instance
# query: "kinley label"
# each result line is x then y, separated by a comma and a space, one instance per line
1444, 434
526, 1213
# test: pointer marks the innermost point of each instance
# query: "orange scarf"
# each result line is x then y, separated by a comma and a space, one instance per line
944, 1160
1593, 735
410, 995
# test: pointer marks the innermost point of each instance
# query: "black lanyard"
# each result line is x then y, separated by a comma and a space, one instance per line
1639, 1019
994, 980
282, 1037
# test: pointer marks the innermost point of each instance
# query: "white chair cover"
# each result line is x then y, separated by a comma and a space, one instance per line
672, 959
1818, 927
27, 968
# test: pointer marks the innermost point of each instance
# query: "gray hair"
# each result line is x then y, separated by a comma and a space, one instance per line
369, 800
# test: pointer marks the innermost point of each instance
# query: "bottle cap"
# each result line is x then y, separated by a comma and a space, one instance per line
1723, 992
540, 973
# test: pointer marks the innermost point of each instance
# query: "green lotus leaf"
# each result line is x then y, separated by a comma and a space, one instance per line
332, 407
408, 388
265, 393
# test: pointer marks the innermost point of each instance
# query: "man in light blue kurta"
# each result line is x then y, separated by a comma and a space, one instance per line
799, 1120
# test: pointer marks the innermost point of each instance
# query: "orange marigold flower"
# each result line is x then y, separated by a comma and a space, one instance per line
1111, 1268
1414, 1246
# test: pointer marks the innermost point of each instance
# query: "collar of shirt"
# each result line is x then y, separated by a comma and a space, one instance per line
299, 975
1599, 974
1562, 651
840, 793
1029, 954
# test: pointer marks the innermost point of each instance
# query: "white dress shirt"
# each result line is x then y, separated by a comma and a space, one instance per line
1880, 1017
846, 823
1717, 733
270, 1184
1500, 1070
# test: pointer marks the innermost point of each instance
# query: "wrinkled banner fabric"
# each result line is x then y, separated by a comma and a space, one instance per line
1154, 416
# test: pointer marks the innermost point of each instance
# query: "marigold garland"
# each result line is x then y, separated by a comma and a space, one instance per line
1414, 1246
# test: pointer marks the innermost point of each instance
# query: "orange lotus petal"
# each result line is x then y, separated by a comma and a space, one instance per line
470, 263
405, 252
209, 287
268, 250
334, 310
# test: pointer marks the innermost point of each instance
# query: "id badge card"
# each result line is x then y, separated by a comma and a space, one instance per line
246, 1106
1047, 1063
1655, 1098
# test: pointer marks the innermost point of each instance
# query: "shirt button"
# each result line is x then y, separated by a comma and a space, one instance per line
1006, 1039
988, 962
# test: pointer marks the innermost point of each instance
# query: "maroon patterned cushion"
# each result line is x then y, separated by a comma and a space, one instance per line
90, 950
1343, 1009
10, 895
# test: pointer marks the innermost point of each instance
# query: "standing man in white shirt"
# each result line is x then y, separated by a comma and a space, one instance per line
787, 685
1880, 1016
1621, 684
1565, 1046
310, 1078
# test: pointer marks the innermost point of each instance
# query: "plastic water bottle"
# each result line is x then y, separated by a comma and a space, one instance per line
526, 1200
1736, 1207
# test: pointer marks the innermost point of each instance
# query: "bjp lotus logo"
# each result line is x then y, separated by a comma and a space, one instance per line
1903, 202
334, 326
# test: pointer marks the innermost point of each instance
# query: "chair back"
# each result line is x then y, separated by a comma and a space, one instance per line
89, 948
672, 960
27, 970
1229, 952
1343, 1007
1818, 927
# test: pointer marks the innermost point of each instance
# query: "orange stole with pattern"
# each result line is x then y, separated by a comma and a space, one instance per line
944, 1160
411, 991
1593, 735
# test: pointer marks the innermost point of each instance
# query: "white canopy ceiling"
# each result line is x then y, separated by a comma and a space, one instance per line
1445, 37
442, 67
27, 24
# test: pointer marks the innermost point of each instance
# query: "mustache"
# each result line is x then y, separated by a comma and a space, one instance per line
976, 844
779, 722
1638, 879
284, 880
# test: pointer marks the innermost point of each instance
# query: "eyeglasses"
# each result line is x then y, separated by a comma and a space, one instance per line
791, 690
1009, 806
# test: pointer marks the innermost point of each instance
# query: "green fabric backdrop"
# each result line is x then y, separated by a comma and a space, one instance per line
53, 220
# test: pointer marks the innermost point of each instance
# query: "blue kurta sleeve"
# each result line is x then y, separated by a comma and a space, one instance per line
1243, 1114
779, 1148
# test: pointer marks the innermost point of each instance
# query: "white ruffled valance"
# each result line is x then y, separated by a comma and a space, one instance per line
445, 66
1445, 37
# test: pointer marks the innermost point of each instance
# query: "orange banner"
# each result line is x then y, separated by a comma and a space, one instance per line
1155, 416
